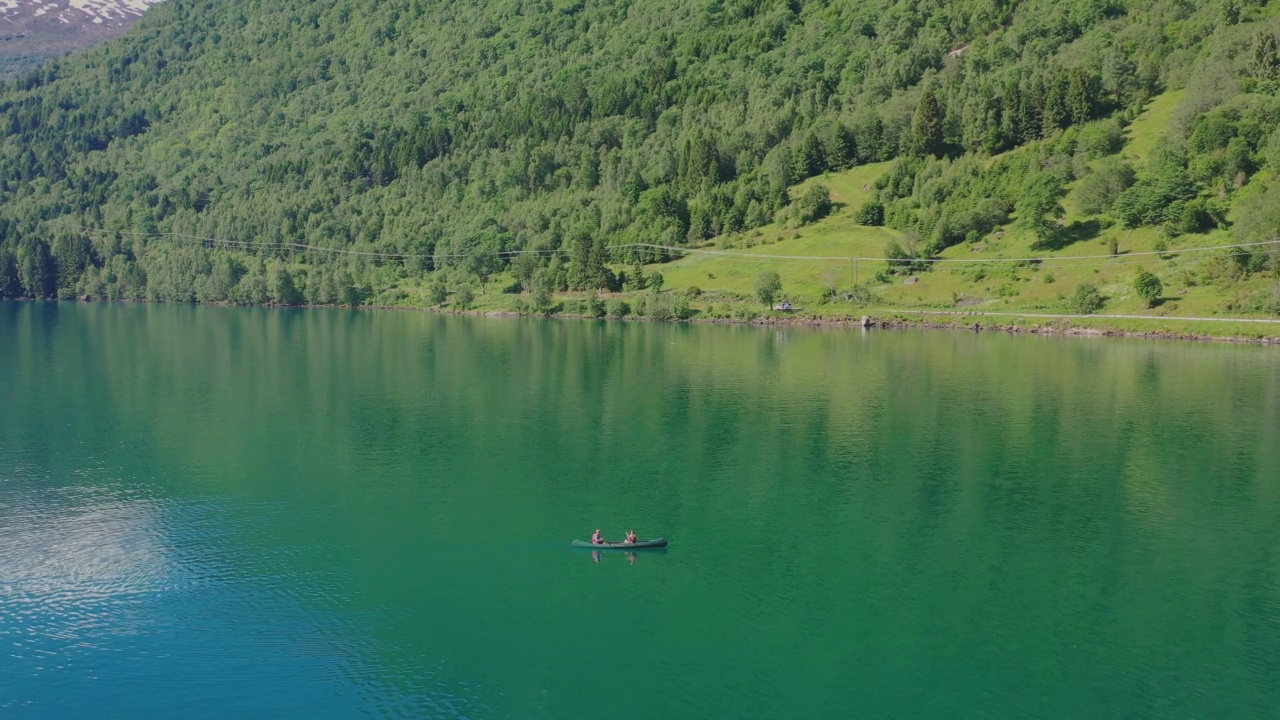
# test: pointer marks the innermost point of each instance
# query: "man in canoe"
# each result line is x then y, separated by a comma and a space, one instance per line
631, 537
597, 538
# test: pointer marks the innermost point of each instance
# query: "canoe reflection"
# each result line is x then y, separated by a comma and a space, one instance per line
596, 555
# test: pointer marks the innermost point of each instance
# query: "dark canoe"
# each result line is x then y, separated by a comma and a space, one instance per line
638, 545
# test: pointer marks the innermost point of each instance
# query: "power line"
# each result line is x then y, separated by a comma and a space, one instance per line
1124, 259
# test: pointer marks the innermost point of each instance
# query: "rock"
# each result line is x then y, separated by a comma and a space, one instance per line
866, 321
912, 280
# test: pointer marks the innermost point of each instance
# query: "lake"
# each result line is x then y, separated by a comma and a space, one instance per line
253, 513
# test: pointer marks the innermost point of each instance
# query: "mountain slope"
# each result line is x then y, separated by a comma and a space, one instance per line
450, 132
32, 33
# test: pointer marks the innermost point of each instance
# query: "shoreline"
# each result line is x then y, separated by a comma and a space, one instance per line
871, 319
886, 320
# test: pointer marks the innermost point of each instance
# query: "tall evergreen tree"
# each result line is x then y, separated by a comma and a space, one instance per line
1081, 91
1029, 112
1054, 113
809, 158
1265, 64
926, 125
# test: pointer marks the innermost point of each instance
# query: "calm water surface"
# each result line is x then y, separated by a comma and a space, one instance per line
212, 513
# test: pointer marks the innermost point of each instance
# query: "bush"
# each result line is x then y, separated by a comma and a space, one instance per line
592, 305
439, 291
658, 307
871, 213
693, 291
1086, 300
680, 308
814, 205
1097, 191
1148, 287
466, 297
1100, 139
617, 308
862, 294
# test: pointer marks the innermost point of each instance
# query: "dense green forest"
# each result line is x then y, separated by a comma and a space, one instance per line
297, 152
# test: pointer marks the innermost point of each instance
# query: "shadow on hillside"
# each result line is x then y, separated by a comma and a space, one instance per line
1078, 231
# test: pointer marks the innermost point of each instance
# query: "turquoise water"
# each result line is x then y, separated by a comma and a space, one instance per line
210, 513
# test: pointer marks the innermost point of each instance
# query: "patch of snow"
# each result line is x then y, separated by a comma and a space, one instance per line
115, 12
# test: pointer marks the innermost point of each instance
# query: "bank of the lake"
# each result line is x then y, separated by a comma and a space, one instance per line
1251, 330
1262, 331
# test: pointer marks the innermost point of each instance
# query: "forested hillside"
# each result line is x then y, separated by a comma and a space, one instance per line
331, 149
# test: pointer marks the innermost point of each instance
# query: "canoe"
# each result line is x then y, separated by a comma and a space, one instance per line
638, 545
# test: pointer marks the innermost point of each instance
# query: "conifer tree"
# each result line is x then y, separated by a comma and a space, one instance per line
1055, 113
926, 126
1080, 92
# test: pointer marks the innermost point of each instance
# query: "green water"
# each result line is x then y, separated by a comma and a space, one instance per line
214, 513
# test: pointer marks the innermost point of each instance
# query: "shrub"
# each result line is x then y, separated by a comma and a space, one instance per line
658, 306
466, 297
1086, 300
693, 291
1100, 139
862, 294
680, 308
871, 213
592, 305
1148, 287
617, 308
439, 291
814, 205
1097, 191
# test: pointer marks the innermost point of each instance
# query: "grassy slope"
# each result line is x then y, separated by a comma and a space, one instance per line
836, 236
952, 288
1024, 290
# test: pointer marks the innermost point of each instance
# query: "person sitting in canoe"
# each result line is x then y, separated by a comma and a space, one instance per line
631, 537
597, 538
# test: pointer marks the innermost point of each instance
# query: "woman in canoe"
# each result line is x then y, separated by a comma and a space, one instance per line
631, 537
597, 538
